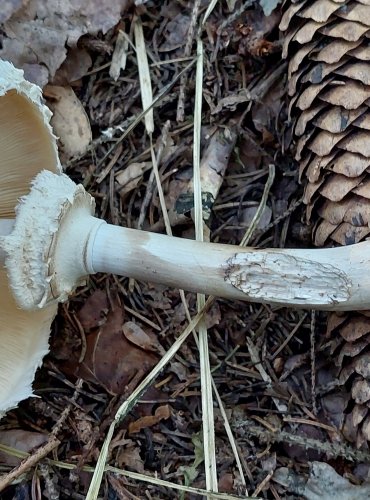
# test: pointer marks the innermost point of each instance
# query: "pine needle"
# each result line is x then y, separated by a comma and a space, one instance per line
144, 75
261, 207
205, 370
211, 6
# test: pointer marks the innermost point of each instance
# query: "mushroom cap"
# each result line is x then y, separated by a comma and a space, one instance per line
27, 142
24, 342
27, 146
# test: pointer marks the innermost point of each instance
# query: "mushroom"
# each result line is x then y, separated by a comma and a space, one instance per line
51, 241
27, 146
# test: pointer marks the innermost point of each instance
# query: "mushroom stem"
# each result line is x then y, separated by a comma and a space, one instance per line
328, 279
56, 242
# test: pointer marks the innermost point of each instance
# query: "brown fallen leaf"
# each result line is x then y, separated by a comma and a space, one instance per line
129, 457
111, 360
324, 483
135, 334
161, 413
226, 482
94, 311
175, 32
249, 213
20, 440
76, 66
69, 121
37, 34
129, 178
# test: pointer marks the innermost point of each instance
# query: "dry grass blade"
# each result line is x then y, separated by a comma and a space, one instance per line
198, 207
211, 6
147, 98
96, 481
230, 436
208, 402
205, 370
179, 487
132, 475
119, 57
166, 219
144, 75
261, 207
189, 42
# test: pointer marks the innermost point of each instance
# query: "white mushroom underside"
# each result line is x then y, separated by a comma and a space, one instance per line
24, 342
27, 145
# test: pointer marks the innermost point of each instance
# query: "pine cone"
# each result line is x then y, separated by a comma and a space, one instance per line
328, 46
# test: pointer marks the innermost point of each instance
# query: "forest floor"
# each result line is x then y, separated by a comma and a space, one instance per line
266, 428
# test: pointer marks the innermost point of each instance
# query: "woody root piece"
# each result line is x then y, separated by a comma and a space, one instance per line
50, 242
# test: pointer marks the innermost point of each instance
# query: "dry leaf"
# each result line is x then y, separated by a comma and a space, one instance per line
226, 482
119, 56
249, 213
74, 67
324, 483
175, 32
180, 370
334, 406
70, 122
111, 361
129, 178
20, 440
161, 413
231, 102
130, 458
135, 334
94, 311
38, 33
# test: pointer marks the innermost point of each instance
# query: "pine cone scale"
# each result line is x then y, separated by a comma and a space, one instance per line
328, 46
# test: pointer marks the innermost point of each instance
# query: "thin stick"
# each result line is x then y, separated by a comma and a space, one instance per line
211, 6
230, 436
261, 207
331, 450
29, 462
166, 219
150, 183
187, 51
313, 362
282, 407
